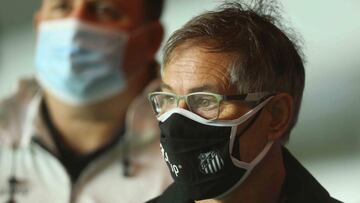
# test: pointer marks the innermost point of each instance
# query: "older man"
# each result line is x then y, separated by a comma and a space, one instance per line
83, 134
231, 93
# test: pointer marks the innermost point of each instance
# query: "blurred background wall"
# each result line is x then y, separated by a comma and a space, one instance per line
327, 137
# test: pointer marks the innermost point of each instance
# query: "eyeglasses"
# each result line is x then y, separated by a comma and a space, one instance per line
204, 104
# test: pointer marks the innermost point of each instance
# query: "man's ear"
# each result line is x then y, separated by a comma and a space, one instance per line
281, 109
142, 46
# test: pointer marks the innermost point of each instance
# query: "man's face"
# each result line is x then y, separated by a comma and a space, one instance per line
115, 14
193, 69
122, 15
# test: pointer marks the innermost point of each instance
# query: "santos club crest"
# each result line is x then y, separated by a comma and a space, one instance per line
210, 162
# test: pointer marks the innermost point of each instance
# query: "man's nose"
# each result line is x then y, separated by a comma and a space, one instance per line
80, 10
182, 104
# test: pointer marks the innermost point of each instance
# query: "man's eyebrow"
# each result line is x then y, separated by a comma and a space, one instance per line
165, 86
204, 88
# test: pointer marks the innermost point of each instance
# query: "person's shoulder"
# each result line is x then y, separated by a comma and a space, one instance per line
13, 108
300, 185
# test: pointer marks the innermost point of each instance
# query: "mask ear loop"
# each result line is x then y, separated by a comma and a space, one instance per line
255, 111
234, 146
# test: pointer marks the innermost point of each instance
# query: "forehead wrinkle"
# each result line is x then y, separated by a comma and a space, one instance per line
215, 73
196, 59
204, 70
197, 67
200, 64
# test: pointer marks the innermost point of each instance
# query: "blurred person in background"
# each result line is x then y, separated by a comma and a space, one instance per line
232, 85
81, 131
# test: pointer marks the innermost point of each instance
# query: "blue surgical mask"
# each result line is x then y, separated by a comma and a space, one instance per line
78, 62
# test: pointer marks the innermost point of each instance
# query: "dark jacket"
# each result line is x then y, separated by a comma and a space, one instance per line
299, 187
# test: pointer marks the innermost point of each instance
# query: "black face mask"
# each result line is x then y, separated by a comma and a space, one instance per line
198, 153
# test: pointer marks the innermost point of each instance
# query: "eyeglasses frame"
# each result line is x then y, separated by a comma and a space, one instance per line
252, 97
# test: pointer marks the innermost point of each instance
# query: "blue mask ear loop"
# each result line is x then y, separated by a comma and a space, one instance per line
13, 180
236, 149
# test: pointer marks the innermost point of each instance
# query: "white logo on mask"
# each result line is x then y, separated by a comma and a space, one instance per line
174, 168
210, 162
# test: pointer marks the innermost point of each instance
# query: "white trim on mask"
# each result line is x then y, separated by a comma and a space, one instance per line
248, 166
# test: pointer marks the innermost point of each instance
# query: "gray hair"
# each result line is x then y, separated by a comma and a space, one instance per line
267, 58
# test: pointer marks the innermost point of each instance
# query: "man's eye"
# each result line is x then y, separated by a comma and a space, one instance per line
203, 103
108, 12
60, 6
170, 100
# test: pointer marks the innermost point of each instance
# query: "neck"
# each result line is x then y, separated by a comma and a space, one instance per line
264, 183
87, 128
